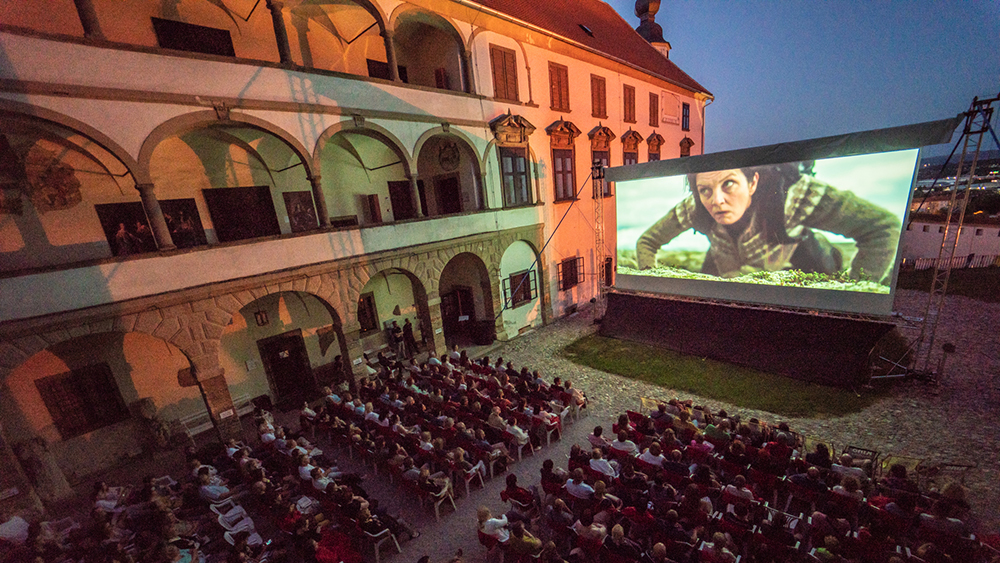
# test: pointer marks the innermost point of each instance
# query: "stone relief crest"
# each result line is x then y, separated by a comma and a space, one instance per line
449, 156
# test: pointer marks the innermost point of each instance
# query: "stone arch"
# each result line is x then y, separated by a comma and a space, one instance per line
451, 183
286, 319
145, 375
139, 174
396, 302
402, 17
467, 303
363, 127
201, 119
442, 130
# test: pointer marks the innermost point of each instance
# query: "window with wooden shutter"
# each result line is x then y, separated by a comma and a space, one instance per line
504, 64
82, 400
562, 174
654, 110
514, 176
628, 98
599, 96
519, 289
570, 272
559, 87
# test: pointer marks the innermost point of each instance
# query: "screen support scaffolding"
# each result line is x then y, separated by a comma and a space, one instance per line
600, 252
977, 123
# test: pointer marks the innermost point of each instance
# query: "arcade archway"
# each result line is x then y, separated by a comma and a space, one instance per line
467, 313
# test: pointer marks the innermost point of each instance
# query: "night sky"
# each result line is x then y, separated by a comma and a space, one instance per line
791, 70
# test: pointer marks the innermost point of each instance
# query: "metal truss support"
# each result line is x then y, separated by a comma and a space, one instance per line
600, 252
977, 123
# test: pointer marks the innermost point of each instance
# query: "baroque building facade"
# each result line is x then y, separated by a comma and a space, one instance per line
207, 201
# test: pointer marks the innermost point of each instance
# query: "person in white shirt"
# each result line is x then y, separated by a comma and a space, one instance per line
455, 354
603, 466
520, 435
738, 488
624, 445
653, 455
846, 468
493, 527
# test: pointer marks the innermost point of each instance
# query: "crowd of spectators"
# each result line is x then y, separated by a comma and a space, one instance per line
439, 428
681, 483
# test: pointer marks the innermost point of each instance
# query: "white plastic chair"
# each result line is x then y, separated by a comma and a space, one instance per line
380, 538
254, 540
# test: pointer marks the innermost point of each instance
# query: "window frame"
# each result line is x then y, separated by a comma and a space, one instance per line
625, 157
559, 87
506, 72
567, 176
654, 110
366, 303
599, 96
628, 103
509, 287
519, 154
685, 116
565, 281
83, 400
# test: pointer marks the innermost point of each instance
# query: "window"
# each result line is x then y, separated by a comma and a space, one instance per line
609, 271
520, 288
514, 175
599, 96
685, 117
979, 232
82, 400
559, 87
628, 98
441, 79
926, 228
504, 63
654, 110
654, 156
562, 174
630, 158
193, 38
367, 314
570, 273
940, 229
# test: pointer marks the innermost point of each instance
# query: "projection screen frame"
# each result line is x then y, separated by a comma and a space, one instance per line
859, 143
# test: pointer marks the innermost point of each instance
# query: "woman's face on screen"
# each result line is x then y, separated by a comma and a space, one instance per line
726, 194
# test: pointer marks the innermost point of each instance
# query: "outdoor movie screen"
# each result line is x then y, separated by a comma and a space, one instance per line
814, 233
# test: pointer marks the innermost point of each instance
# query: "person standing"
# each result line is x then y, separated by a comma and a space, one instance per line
409, 341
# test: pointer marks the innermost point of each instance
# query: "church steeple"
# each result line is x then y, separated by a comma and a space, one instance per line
648, 28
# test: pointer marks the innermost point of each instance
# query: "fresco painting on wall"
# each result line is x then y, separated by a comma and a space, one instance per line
126, 228
301, 213
183, 222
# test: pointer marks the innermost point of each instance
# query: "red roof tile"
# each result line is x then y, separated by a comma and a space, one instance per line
612, 35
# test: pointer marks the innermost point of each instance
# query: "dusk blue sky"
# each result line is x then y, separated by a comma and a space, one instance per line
791, 70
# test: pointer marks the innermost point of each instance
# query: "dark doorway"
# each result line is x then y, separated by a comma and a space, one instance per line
401, 199
242, 213
458, 313
449, 195
286, 363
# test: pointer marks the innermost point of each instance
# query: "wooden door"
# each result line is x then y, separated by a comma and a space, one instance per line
449, 195
401, 199
286, 363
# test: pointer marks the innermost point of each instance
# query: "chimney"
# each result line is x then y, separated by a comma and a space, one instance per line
648, 28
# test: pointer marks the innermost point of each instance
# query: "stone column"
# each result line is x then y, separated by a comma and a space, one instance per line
417, 210
390, 54
352, 337
434, 308
321, 210
280, 33
215, 391
466, 62
155, 215
88, 17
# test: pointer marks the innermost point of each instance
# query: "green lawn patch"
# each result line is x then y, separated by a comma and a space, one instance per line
738, 385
